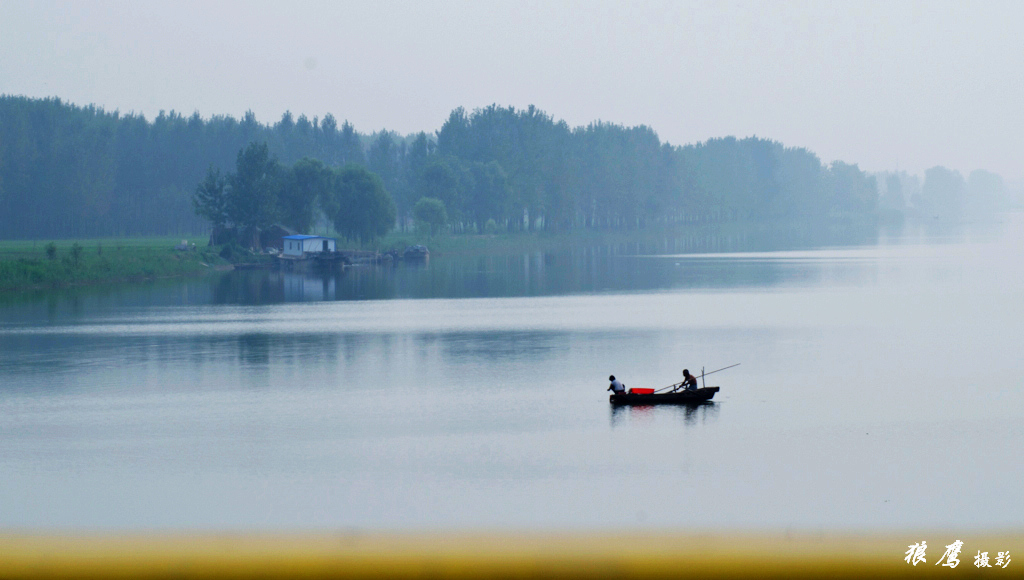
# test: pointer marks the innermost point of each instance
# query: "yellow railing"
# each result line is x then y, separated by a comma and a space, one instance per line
495, 555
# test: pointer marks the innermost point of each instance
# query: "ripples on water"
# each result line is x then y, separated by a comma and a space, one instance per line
880, 388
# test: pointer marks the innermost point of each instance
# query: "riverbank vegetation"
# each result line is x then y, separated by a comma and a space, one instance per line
28, 264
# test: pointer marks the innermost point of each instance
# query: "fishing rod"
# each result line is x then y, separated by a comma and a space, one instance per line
723, 368
702, 375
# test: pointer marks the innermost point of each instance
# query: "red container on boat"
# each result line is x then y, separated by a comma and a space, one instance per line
641, 391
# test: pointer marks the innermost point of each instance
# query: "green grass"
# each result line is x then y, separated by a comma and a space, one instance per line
37, 248
24, 264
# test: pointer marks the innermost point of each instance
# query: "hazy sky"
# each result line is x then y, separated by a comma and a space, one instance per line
883, 84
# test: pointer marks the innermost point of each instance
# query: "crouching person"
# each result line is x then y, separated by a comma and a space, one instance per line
616, 387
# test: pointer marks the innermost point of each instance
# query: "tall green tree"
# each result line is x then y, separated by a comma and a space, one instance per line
385, 159
490, 195
447, 179
430, 214
363, 209
309, 182
255, 187
211, 200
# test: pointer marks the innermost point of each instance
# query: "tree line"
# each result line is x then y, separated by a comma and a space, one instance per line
71, 171
68, 171
262, 193
943, 193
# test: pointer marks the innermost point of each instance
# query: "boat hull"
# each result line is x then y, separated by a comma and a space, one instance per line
678, 398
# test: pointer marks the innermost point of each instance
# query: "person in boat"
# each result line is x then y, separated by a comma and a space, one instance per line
616, 387
689, 381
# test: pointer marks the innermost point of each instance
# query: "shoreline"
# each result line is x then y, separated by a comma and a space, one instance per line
26, 266
784, 235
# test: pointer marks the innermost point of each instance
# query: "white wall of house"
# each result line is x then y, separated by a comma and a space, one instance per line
293, 247
311, 245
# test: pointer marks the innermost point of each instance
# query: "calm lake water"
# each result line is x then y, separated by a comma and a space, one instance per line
880, 388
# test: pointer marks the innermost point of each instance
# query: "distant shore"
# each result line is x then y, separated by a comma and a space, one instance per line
695, 236
42, 264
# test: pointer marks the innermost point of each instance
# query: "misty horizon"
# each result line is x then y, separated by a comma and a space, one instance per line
369, 136
889, 87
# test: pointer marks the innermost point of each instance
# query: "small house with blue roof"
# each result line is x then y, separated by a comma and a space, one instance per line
299, 245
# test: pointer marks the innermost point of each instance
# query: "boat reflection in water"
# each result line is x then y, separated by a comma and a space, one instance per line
692, 414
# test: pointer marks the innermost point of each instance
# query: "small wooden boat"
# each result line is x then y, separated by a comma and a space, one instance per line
677, 398
416, 253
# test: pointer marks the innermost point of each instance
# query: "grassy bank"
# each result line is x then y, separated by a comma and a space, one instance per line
26, 264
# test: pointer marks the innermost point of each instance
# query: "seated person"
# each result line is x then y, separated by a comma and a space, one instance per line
689, 381
616, 387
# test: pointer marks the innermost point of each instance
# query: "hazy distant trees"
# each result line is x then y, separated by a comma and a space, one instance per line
347, 147
986, 191
69, 171
899, 192
893, 198
385, 159
943, 193
853, 191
